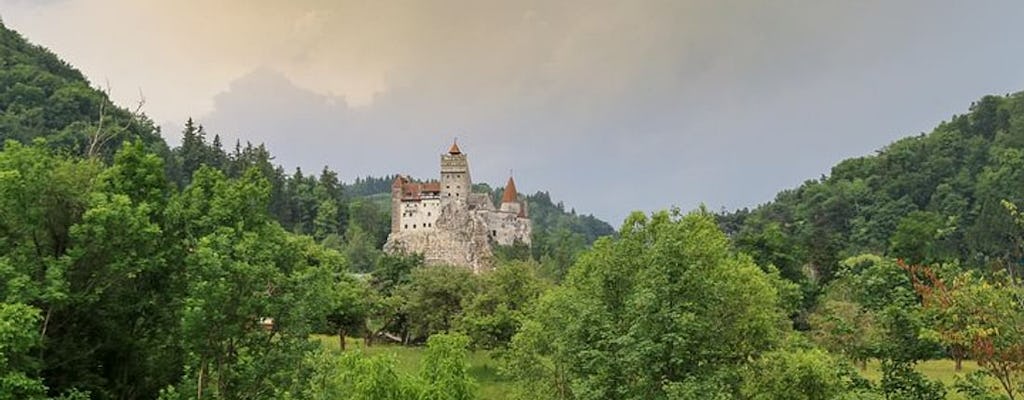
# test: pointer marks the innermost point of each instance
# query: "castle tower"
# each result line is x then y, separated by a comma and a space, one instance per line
396, 202
510, 198
455, 181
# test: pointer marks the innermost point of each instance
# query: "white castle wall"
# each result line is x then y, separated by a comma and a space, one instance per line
458, 227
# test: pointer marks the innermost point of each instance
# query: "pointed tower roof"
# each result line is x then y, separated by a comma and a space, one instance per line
510, 195
455, 148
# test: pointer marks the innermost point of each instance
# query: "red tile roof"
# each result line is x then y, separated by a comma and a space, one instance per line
510, 195
415, 190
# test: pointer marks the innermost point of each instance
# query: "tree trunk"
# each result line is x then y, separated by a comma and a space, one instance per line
199, 381
341, 339
959, 363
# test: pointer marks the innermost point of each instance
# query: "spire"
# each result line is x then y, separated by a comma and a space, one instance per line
455, 147
510, 195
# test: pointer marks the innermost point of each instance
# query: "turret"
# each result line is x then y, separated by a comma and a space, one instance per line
455, 182
510, 199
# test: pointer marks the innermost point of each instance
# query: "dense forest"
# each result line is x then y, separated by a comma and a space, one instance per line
132, 270
927, 199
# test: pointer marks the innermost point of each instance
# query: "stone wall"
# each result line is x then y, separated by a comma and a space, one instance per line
460, 238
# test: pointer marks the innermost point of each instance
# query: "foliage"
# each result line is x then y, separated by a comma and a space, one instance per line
353, 375
988, 316
801, 374
872, 311
358, 377
18, 335
445, 370
662, 305
901, 382
434, 296
42, 97
974, 386
491, 317
932, 198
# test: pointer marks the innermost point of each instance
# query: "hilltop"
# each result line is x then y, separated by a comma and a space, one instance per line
932, 198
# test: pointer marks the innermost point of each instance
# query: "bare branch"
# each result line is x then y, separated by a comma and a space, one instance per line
100, 137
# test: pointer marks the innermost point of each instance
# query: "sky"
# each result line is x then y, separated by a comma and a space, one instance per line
610, 106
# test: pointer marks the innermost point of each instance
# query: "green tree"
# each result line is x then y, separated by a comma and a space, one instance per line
663, 306
491, 317
445, 371
989, 316
803, 375
19, 334
349, 306
434, 296
250, 298
919, 238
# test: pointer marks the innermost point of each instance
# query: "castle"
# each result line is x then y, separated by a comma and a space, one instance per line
448, 223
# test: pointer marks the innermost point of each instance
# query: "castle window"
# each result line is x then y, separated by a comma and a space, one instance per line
413, 226
494, 233
428, 213
406, 226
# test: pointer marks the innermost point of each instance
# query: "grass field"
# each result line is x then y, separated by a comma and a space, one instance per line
482, 367
942, 370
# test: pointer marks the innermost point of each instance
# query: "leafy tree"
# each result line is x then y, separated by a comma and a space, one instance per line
665, 304
842, 326
19, 334
919, 238
445, 371
986, 314
391, 275
350, 304
354, 376
901, 382
250, 299
360, 249
493, 316
802, 374
434, 296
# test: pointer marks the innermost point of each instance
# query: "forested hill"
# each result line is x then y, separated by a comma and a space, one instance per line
932, 198
42, 97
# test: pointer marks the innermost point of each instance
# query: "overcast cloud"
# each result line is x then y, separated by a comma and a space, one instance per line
611, 106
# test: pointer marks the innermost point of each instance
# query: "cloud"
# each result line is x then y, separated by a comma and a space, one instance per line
611, 105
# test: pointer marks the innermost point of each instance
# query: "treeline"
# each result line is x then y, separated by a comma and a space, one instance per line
41, 96
927, 199
133, 271
120, 286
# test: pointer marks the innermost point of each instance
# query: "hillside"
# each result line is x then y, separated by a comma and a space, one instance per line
41, 96
133, 271
932, 198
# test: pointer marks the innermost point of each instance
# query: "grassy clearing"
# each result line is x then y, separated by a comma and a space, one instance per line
942, 370
482, 366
